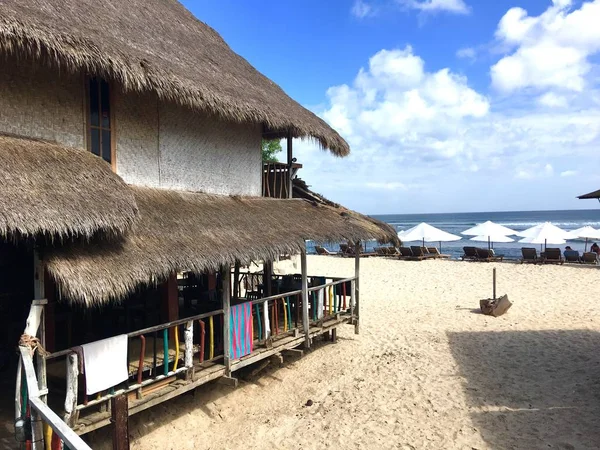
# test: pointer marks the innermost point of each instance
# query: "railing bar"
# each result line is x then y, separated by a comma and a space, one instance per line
275, 297
68, 351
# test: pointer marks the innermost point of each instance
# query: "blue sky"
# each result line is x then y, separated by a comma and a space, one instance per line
448, 105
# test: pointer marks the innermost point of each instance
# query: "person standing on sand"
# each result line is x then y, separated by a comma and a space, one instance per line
595, 248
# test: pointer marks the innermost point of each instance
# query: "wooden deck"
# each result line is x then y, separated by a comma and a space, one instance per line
175, 385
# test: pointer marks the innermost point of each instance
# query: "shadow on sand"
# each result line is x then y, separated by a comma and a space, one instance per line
532, 389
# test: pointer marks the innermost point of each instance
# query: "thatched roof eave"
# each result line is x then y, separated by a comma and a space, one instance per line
58, 192
186, 231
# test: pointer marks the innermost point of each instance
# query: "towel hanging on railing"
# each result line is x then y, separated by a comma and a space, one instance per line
105, 363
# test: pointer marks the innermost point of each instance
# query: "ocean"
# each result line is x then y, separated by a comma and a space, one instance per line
455, 223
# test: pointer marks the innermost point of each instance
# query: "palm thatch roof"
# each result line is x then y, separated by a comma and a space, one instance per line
185, 231
56, 191
595, 194
158, 46
301, 190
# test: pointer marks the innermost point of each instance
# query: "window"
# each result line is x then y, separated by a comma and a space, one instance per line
100, 120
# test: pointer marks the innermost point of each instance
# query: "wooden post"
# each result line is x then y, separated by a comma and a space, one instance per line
72, 387
290, 156
305, 321
170, 302
226, 279
267, 275
119, 411
494, 283
189, 348
236, 280
356, 288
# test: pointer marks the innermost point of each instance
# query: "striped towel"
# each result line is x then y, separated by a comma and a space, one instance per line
240, 326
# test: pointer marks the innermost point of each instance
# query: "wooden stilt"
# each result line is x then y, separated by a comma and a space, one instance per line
119, 410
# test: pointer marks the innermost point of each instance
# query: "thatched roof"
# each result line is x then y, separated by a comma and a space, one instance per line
159, 46
595, 194
301, 190
184, 231
56, 191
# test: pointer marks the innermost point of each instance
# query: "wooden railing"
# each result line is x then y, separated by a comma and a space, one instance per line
276, 179
164, 362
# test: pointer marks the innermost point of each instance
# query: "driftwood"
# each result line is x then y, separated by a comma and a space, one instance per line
495, 307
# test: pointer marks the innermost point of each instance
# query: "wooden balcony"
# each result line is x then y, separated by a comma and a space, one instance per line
276, 179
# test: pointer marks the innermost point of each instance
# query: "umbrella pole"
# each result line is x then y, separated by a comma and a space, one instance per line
440, 246
489, 243
585, 245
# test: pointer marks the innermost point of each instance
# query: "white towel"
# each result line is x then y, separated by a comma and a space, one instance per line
105, 363
267, 329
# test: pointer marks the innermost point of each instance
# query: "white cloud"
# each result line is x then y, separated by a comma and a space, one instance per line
466, 53
549, 51
553, 100
421, 138
361, 9
432, 6
568, 173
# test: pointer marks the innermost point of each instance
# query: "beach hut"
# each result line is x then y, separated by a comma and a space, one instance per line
133, 191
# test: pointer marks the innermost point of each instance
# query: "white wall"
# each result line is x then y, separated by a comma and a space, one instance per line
41, 103
158, 144
164, 145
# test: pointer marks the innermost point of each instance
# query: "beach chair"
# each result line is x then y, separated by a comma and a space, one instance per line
572, 256
405, 253
392, 251
470, 253
322, 250
589, 258
420, 252
436, 253
530, 255
487, 255
552, 256
381, 251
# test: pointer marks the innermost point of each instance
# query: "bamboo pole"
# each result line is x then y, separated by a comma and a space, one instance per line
305, 322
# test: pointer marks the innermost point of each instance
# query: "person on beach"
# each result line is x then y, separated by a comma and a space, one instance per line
595, 248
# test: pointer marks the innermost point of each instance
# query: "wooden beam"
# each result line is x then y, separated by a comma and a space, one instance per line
236, 280
119, 410
356, 287
290, 157
305, 321
189, 347
226, 280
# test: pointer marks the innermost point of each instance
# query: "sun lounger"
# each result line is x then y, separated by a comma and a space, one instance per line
420, 252
381, 251
530, 255
436, 253
572, 256
392, 251
589, 258
322, 250
470, 253
487, 255
552, 256
407, 254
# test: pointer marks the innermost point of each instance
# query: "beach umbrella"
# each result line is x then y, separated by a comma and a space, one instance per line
425, 232
490, 232
586, 233
544, 233
491, 238
489, 228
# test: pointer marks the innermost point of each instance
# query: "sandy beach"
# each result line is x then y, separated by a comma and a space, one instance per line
427, 370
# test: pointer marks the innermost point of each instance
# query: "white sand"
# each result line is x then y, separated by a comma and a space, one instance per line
425, 372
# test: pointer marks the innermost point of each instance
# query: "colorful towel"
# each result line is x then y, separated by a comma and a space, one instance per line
105, 363
240, 334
